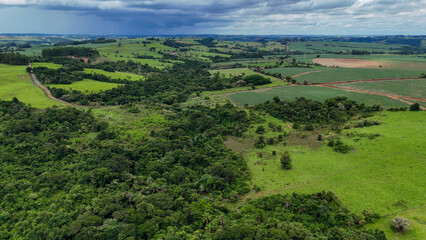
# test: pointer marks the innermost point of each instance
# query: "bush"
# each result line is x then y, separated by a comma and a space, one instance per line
370, 216
260, 130
401, 224
339, 146
286, 160
415, 107
260, 143
308, 127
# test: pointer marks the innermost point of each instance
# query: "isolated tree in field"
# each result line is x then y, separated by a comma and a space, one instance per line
286, 160
415, 107
401, 224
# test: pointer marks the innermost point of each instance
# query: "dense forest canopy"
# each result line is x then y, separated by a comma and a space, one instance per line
69, 51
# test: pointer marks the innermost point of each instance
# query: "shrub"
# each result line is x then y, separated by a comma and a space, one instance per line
308, 127
260, 130
401, 224
415, 107
370, 215
286, 160
339, 146
260, 143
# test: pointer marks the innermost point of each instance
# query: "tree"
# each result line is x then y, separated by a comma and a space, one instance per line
415, 107
276, 99
401, 224
260, 130
286, 160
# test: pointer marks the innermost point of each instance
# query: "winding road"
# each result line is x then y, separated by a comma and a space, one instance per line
46, 91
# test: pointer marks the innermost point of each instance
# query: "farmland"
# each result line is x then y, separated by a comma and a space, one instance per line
410, 87
317, 93
47, 64
86, 86
351, 74
15, 82
115, 75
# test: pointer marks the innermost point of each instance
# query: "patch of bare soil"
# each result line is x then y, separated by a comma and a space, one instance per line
239, 145
305, 138
85, 59
349, 63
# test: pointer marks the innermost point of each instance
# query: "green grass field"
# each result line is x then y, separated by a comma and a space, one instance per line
46, 64
324, 46
411, 88
239, 71
86, 86
128, 49
116, 75
293, 71
377, 174
15, 82
417, 217
350, 74
318, 93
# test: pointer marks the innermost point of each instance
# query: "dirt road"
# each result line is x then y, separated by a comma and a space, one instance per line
46, 91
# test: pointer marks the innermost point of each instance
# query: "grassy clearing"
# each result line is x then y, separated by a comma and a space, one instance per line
15, 82
86, 86
46, 64
318, 93
377, 174
116, 75
240, 71
350, 74
411, 88
132, 126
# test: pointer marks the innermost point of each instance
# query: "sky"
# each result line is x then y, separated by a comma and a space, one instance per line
228, 17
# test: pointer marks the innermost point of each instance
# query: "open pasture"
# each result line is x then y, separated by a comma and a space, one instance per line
116, 75
378, 174
348, 63
15, 82
86, 86
241, 71
46, 64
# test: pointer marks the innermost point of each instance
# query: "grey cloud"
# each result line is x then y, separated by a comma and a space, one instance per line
217, 15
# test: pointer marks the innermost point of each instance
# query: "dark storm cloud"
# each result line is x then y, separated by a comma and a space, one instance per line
239, 16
